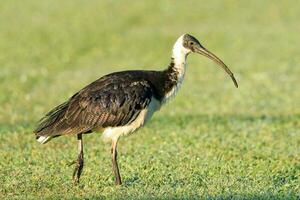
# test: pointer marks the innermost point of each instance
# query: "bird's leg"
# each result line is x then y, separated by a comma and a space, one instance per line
79, 161
115, 162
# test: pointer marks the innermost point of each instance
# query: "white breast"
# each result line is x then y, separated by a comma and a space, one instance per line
113, 133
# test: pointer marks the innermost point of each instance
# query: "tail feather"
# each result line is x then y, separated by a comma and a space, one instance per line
43, 139
46, 130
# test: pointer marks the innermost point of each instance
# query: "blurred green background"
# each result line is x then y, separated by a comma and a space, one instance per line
211, 141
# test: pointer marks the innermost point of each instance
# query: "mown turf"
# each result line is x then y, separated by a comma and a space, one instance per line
212, 141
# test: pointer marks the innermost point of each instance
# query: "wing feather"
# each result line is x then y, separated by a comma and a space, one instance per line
113, 103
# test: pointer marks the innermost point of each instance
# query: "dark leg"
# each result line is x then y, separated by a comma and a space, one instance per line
79, 161
115, 162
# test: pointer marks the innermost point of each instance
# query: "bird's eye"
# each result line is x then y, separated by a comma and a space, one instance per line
191, 43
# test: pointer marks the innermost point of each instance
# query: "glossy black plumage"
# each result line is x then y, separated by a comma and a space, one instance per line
113, 100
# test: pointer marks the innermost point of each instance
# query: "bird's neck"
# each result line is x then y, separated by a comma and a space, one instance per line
176, 71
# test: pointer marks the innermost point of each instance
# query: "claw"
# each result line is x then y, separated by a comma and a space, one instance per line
71, 163
78, 168
79, 161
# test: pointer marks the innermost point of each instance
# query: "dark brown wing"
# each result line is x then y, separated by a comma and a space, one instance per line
111, 101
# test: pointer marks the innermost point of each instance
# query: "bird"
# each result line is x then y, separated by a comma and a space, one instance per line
120, 103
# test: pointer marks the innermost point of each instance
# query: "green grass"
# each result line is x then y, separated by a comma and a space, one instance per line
212, 141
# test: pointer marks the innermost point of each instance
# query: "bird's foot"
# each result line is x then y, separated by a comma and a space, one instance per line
78, 168
118, 179
118, 182
71, 163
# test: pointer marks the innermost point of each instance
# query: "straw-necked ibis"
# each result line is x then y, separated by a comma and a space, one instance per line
120, 103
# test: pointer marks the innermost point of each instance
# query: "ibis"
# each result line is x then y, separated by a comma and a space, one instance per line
120, 103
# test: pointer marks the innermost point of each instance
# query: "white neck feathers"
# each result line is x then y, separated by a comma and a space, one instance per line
179, 56
179, 52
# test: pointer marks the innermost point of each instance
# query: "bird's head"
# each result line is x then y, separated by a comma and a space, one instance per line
188, 44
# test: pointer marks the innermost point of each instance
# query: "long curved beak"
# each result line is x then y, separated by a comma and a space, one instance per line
201, 50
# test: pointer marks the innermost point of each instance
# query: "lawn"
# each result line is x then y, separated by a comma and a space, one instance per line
212, 141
